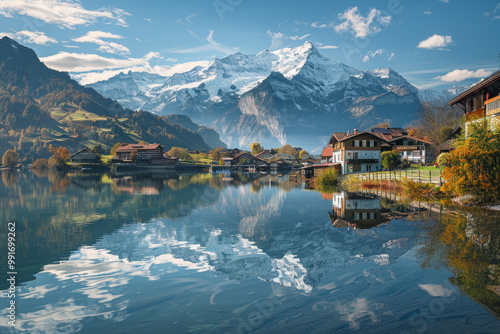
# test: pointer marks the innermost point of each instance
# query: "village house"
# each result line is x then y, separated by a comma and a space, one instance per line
246, 159
264, 155
356, 152
481, 101
153, 154
413, 149
85, 156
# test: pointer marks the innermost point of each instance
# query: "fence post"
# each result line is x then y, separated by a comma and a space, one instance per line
440, 179
430, 177
419, 176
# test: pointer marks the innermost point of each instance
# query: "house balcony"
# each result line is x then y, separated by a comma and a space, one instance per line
473, 115
361, 161
492, 106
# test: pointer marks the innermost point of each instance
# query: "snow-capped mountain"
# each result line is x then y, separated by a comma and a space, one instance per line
130, 89
291, 95
431, 95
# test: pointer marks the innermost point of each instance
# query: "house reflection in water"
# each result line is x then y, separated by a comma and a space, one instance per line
139, 186
357, 210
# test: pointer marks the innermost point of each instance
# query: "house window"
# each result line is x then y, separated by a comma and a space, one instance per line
375, 143
356, 215
364, 215
356, 143
372, 215
372, 143
364, 143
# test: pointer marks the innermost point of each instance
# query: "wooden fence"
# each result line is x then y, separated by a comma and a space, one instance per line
416, 175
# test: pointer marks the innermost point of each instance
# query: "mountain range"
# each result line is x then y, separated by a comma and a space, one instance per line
40, 107
292, 95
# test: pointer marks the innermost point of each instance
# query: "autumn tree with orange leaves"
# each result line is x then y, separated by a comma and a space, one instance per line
474, 166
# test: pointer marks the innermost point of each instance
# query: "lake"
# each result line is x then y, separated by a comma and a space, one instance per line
202, 253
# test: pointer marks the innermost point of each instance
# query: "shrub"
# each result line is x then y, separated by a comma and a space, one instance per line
10, 158
474, 166
40, 164
328, 179
441, 160
390, 159
180, 153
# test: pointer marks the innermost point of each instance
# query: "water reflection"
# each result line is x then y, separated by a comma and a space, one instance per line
357, 210
469, 244
202, 253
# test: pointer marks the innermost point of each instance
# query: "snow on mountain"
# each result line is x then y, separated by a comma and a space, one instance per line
130, 89
291, 95
443, 96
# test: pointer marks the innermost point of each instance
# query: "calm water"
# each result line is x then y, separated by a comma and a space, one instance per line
170, 253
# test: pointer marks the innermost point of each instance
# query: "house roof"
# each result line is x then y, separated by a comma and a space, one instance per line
414, 138
342, 136
251, 156
477, 87
263, 153
137, 147
327, 151
390, 131
85, 150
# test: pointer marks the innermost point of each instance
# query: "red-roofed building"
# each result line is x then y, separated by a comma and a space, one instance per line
327, 154
150, 154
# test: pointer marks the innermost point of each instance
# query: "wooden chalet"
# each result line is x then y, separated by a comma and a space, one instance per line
264, 155
357, 151
246, 159
481, 101
413, 149
85, 156
152, 154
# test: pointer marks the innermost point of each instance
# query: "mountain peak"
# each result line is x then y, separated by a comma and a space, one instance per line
308, 48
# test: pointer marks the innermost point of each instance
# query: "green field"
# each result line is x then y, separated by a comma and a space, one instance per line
431, 168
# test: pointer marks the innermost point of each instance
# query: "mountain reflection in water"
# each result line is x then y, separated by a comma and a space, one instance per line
239, 253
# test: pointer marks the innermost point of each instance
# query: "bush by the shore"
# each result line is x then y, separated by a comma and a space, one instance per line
328, 179
473, 168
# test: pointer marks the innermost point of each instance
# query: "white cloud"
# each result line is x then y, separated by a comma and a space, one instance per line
436, 290
445, 1
494, 12
427, 12
165, 70
391, 56
33, 37
81, 62
372, 54
186, 21
461, 75
71, 46
64, 13
328, 47
317, 25
105, 46
294, 38
435, 42
211, 46
361, 26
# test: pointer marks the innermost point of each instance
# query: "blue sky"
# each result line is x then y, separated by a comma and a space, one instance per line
433, 43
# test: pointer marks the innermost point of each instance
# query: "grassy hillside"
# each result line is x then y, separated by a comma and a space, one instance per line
40, 106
